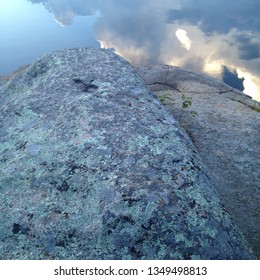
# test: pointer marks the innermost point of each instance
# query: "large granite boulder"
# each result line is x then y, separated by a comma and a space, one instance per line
224, 125
94, 167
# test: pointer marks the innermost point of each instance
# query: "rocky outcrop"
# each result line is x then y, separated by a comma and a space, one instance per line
94, 167
224, 125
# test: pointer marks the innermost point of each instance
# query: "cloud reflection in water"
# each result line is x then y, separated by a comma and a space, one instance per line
200, 35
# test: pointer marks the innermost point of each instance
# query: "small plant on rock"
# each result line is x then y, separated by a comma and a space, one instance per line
185, 104
166, 99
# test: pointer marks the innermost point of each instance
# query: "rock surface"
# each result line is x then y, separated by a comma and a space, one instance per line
94, 167
224, 125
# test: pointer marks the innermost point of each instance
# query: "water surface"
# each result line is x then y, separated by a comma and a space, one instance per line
220, 38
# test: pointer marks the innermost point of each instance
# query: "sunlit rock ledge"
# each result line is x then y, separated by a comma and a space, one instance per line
94, 166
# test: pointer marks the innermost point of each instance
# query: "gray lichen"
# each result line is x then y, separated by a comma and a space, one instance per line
93, 167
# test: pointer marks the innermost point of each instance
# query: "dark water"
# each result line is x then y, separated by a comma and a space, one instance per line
220, 38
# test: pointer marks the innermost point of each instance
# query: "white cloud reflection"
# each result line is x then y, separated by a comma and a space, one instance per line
136, 55
209, 53
250, 83
177, 32
183, 38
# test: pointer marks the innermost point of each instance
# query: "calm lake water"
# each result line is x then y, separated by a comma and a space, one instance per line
220, 38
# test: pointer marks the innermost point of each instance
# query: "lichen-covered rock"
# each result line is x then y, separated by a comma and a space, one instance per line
226, 132
94, 167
